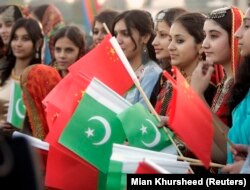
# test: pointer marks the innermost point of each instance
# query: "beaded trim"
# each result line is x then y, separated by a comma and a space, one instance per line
218, 13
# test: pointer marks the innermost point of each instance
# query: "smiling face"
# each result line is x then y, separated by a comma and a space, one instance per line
243, 35
216, 43
161, 40
183, 49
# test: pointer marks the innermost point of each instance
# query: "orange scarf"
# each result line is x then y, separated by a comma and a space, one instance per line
37, 81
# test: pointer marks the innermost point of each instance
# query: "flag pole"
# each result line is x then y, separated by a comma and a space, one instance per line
128, 67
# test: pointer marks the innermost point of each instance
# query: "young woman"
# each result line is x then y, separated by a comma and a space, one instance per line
25, 38
221, 48
217, 34
106, 16
69, 46
163, 89
134, 30
8, 16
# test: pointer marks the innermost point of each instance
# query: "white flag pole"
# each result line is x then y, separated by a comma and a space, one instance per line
131, 72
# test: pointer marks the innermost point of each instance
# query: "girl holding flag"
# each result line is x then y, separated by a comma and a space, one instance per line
26, 37
134, 30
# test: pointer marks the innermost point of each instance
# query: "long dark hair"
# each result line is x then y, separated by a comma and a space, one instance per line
141, 21
75, 35
34, 31
242, 84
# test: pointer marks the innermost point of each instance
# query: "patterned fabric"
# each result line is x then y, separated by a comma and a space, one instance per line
52, 21
37, 81
163, 97
219, 104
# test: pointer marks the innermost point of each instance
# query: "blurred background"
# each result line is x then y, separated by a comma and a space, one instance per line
77, 11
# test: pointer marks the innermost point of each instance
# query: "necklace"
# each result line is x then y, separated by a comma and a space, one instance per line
222, 93
14, 75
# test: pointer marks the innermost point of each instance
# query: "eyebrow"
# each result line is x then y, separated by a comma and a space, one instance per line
211, 31
179, 35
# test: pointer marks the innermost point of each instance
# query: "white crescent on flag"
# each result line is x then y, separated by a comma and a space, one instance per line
157, 136
19, 113
106, 126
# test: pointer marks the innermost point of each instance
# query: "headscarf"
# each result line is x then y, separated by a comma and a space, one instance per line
237, 17
52, 19
36, 82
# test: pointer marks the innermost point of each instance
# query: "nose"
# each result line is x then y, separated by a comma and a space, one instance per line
171, 46
3, 29
155, 41
205, 43
62, 54
119, 39
238, 33
100, 36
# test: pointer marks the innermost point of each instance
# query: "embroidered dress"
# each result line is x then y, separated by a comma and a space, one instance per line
219, 105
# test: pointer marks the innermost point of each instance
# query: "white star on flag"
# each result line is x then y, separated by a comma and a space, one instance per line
143, 129
90, 132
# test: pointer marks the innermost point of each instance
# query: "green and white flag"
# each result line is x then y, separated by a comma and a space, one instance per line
94, 127
141, 129
125, 160
16, 110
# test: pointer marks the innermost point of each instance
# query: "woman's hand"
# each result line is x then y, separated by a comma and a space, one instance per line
239, 151
163, 122
201, 77
7, 129
233, 168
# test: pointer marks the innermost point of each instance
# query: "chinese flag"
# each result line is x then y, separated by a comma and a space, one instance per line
103, 63
190, 118
144, 168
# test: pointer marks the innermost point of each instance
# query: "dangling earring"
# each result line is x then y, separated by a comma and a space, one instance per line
37, 55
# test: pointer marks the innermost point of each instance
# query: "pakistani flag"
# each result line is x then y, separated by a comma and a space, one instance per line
125, 160
141, 129
16, 111
94, 127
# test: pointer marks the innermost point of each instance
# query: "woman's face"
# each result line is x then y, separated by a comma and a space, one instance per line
5, 29
22, 45
125, 41
182, 48
161, 40
243, 35
98, 33
66, 53
216, 43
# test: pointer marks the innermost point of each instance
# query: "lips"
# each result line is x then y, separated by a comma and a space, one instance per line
173, 56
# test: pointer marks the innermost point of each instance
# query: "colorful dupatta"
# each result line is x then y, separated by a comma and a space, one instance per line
36, 82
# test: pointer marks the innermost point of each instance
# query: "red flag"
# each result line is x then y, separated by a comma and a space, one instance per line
190, 118
144, 168
66, 172
104, 64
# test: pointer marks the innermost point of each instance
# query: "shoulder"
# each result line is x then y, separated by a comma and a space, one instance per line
152, 67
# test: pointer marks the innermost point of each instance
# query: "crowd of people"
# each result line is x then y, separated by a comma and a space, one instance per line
211, 51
